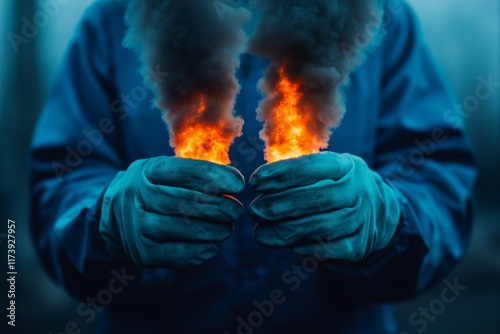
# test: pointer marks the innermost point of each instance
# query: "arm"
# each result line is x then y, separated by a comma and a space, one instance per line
93, 221
67, 180
424, 155
387, 231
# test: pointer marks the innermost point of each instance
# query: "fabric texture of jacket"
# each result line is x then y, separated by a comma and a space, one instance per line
99, 119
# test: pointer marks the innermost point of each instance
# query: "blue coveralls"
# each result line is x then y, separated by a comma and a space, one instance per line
99, 119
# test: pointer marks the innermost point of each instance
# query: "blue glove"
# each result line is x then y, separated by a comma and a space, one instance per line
331, 198
170, 212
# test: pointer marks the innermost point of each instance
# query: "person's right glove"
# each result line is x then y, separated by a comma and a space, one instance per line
170, 212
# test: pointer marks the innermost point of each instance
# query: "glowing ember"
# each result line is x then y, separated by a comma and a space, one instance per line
287, 132
203, 141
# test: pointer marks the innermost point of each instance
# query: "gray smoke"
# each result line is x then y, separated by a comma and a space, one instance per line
317, 43
199, 49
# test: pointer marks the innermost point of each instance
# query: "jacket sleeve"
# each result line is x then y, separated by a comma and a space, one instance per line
75, 154
423, 153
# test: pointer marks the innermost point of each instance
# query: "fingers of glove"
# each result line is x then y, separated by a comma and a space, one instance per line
350, 249
172, 201
202, 176
328, 226
302, 171
324, 196
166, 228
174, 255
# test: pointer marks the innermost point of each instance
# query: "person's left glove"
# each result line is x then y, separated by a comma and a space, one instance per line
328, 198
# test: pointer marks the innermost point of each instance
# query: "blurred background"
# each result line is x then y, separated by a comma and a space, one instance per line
463, 35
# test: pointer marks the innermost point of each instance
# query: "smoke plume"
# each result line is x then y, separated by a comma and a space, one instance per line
313, 45
199, 49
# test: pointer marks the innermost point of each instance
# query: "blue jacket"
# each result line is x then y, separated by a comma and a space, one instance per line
99, 119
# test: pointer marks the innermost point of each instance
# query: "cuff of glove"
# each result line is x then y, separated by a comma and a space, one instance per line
108, 229
98, 208
374, 256
377, 255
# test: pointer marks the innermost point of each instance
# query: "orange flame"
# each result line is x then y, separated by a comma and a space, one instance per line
201, 141
286, 132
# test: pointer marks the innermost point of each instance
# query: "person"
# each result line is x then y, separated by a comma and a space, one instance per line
156, 244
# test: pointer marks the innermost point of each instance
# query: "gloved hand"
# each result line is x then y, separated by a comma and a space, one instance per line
331, 197
170, 212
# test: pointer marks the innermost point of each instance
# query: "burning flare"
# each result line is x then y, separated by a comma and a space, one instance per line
197, 139
312, 47
199, 50
286, 131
